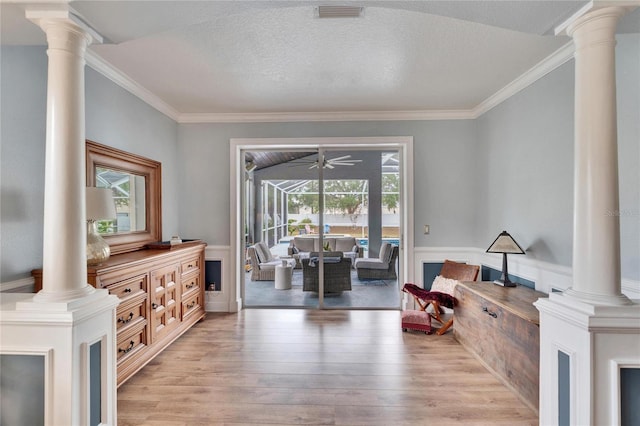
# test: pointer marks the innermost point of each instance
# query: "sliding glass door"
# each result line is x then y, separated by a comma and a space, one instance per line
280, 207
362, 228
312, 217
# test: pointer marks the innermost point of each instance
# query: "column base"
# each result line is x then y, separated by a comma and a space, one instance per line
75, 342
598, 299
583, 349
63, 296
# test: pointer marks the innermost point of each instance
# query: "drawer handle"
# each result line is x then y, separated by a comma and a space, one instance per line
154, 305
124, 321
493, 314
191, 305
190, 286
189, 266
127, 290
131, 345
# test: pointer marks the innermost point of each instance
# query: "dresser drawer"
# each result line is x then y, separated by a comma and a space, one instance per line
191, 304
130, 288
190, 265
132, 342
190, 283
131, 314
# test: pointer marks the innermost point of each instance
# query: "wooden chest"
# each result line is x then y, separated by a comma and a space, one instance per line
501, 327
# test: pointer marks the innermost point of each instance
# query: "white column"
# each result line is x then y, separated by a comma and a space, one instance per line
596, 233
62, 322
591, 331
64, 242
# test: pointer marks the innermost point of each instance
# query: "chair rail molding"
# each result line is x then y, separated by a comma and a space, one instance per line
547, 276
22, 285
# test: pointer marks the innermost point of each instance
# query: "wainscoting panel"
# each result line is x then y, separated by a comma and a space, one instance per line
219, 300
546, 276
491, 274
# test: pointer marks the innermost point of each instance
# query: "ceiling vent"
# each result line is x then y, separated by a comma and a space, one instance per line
339, 11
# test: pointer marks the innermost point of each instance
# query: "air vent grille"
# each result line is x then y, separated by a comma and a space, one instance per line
339, 11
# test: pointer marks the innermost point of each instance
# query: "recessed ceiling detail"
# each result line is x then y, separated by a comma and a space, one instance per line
271, 61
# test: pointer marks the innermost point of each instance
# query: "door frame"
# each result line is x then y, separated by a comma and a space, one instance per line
403, 144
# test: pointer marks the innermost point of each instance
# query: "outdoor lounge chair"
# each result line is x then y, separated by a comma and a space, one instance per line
441, 294
263, 262
381, 268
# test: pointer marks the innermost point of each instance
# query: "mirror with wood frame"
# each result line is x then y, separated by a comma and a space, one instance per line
136, 185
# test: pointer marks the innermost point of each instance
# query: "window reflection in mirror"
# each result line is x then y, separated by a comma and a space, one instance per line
129, 197
135, 182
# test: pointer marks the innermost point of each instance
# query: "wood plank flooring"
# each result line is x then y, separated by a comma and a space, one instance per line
312, 367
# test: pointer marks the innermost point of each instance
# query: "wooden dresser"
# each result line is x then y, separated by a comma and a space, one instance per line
501, 327
161, 296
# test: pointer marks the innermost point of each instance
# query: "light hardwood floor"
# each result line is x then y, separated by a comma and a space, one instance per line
286, 367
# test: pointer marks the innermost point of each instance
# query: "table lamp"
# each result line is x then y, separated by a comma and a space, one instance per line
505, 244
100, 206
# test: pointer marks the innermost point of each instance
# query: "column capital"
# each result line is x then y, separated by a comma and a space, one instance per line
595, 10
59, 18
602, 21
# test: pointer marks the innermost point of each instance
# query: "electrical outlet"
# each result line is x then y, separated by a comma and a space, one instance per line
426, 229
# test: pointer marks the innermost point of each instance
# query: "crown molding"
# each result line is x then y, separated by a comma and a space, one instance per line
542, 68
282, 117
123, 80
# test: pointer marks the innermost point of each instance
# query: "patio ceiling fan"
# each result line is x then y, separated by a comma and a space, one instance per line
330, 163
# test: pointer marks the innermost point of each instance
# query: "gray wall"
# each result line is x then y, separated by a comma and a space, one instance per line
526, 179
23, 106
510, 169
628, 79
116, 118
113, 117
445, 175
526, 151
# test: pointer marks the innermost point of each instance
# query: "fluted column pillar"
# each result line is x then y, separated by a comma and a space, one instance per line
64, 240
596, 233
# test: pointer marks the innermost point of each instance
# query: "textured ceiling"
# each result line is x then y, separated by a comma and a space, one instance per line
277, 57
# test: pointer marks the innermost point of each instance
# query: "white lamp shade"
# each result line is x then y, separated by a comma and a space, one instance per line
505, 244
100, 205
